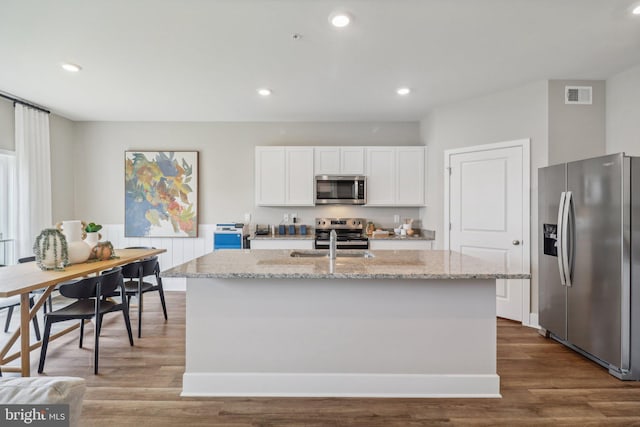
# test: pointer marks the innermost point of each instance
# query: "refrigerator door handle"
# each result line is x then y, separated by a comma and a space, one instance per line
567, 251
560, 240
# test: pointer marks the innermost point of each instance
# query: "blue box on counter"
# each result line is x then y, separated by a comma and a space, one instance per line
303, 230
292, 230
281, 230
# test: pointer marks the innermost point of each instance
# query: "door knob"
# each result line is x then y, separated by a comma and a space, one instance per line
516, 242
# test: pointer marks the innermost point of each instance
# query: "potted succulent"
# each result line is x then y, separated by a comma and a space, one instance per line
93, 236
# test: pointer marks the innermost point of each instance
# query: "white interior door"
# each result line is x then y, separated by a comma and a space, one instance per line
488, 215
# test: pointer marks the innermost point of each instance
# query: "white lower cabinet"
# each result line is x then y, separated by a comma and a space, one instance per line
398, 245
282, 244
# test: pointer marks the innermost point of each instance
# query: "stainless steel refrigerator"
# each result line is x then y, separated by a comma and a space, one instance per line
589, 259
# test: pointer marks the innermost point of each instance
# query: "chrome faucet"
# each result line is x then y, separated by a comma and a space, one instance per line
333, 242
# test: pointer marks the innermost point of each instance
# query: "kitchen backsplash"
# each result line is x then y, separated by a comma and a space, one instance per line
306, 215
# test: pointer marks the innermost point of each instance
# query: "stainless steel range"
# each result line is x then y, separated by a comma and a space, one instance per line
350, 231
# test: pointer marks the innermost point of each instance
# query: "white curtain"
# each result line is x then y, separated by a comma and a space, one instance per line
33, 166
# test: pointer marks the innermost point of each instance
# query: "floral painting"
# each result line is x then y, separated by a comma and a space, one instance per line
161, 193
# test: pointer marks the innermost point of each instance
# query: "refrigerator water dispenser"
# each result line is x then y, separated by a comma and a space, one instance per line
550, 239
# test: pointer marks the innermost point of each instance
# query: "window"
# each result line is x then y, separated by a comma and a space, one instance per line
8, 204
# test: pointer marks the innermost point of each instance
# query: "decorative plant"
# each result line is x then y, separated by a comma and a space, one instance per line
51, 240
92, 227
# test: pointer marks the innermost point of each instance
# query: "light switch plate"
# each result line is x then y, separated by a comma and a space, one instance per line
285, 217
247, 218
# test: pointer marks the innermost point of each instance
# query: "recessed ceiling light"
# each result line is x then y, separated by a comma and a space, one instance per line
340, 19
72, 68
403, 91
264, 91
636, 11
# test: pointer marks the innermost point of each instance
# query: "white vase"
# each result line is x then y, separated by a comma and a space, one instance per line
72, 230
49, 250
92, 238
78, 250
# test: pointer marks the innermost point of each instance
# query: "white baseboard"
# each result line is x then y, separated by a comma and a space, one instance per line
174, 284
341, 385
533, 321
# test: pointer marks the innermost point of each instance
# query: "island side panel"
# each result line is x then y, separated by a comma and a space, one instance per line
315, 337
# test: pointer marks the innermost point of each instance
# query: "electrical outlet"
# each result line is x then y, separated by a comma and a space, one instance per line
247, 218
285, 217
396, 219
294, 217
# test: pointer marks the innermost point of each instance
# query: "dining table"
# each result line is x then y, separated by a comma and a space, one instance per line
21, 279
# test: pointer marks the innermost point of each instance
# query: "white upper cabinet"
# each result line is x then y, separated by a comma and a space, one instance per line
381, 176
352, 160
410, 176
339, 160
299, 176
284, 176
395, 176
327, 160
270, 175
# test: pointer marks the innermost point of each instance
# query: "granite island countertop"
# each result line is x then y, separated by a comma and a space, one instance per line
384, 264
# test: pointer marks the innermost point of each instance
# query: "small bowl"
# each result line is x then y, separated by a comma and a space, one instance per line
397, 231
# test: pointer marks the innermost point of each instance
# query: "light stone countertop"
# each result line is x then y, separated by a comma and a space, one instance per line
424, 235
283, 237
403, 238
385, 264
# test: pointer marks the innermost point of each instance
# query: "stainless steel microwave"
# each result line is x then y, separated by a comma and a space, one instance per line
340, 190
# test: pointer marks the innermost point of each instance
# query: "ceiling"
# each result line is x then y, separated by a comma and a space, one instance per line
202, 60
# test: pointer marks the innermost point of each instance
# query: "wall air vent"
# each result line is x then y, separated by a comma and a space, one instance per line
578, 95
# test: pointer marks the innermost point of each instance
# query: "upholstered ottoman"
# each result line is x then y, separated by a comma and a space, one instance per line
45, 391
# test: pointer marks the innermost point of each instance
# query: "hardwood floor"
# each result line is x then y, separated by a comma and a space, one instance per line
542, 383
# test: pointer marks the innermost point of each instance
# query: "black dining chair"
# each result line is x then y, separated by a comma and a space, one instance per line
9, 303
91, 303
136, 286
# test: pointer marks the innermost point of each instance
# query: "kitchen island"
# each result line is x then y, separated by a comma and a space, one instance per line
375, 323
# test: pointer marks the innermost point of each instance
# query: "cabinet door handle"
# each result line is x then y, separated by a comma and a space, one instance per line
516, 242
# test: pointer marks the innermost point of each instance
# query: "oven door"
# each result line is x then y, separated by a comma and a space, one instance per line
340, 190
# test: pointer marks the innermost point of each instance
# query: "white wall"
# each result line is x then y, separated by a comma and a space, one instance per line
61, 133
623, 112
504, 116
576, 131
226, 179
7, 133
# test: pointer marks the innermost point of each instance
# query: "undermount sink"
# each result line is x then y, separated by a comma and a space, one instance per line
309, 254
355, 254
325, 254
